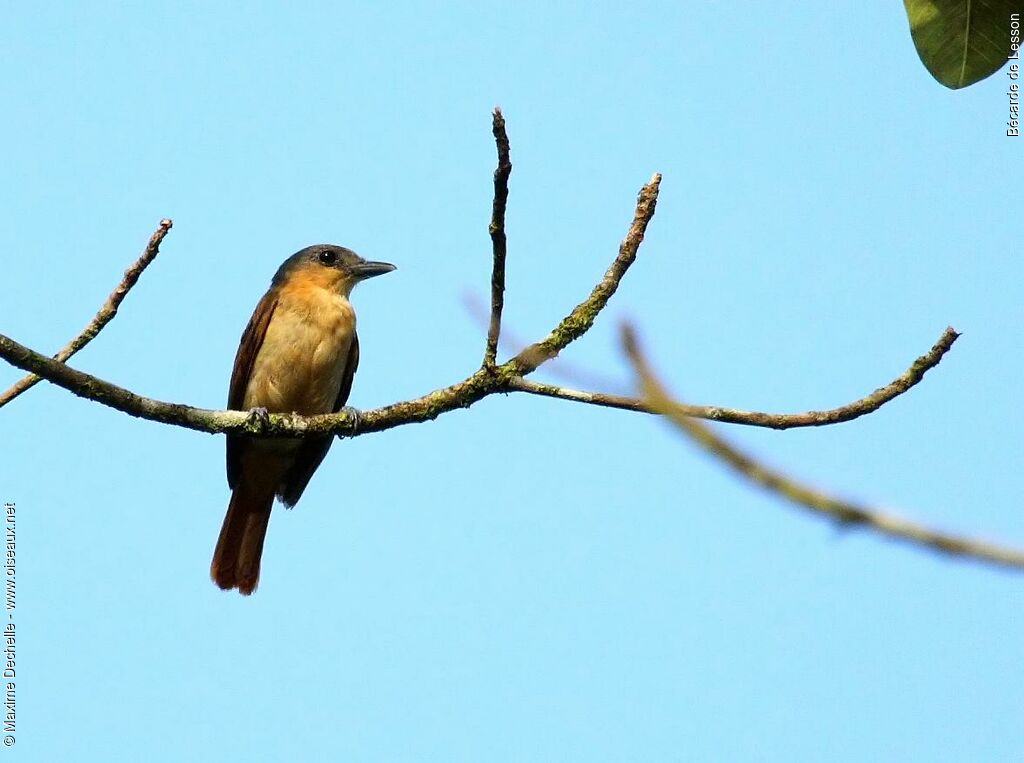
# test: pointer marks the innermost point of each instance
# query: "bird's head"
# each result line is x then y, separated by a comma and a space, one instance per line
330, 267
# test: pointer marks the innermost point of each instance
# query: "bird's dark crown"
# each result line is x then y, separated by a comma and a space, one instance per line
325, 255
349, 267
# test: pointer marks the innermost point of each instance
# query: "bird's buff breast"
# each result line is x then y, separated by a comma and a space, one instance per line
300, 366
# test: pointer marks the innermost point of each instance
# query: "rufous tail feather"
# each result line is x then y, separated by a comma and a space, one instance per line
236, 559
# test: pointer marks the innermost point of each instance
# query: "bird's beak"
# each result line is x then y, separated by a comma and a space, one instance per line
370, 269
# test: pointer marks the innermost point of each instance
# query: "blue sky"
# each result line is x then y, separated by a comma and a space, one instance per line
529, 579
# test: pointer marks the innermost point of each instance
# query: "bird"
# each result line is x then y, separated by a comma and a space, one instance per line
298, 354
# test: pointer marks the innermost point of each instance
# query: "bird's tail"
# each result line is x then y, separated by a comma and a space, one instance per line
236, 560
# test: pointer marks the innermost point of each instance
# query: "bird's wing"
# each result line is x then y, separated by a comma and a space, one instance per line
314, 449
350, 372
248, 349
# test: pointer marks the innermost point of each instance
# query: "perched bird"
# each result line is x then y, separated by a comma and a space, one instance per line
298, 354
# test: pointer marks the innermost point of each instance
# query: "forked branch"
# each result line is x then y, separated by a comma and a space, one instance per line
104, 316
510, 376
462, 394
491, 378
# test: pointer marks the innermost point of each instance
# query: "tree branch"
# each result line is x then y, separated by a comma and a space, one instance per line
484, 382
430, 406
488, 380
103, 317
582, 317
499, 243
846, 513
848, 412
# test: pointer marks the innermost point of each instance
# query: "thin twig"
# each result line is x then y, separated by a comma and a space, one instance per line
845, 512
582, 317
499, 243
103, 317
603, 399
848, 412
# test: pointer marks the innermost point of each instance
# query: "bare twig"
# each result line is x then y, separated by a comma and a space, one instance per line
499, 243
848, 412
603, 399
582, 317
845, 512
103, 317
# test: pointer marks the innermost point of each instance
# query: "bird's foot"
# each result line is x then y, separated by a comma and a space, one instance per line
357, 419
258, 420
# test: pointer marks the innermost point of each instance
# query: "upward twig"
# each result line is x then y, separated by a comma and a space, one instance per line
103, 317
498, 239
578, 322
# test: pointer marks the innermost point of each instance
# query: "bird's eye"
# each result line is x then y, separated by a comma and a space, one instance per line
327, 257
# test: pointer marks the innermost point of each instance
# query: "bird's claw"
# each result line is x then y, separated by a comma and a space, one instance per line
356, 416
258, 419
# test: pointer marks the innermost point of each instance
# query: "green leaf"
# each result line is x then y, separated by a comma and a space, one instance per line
963, 41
